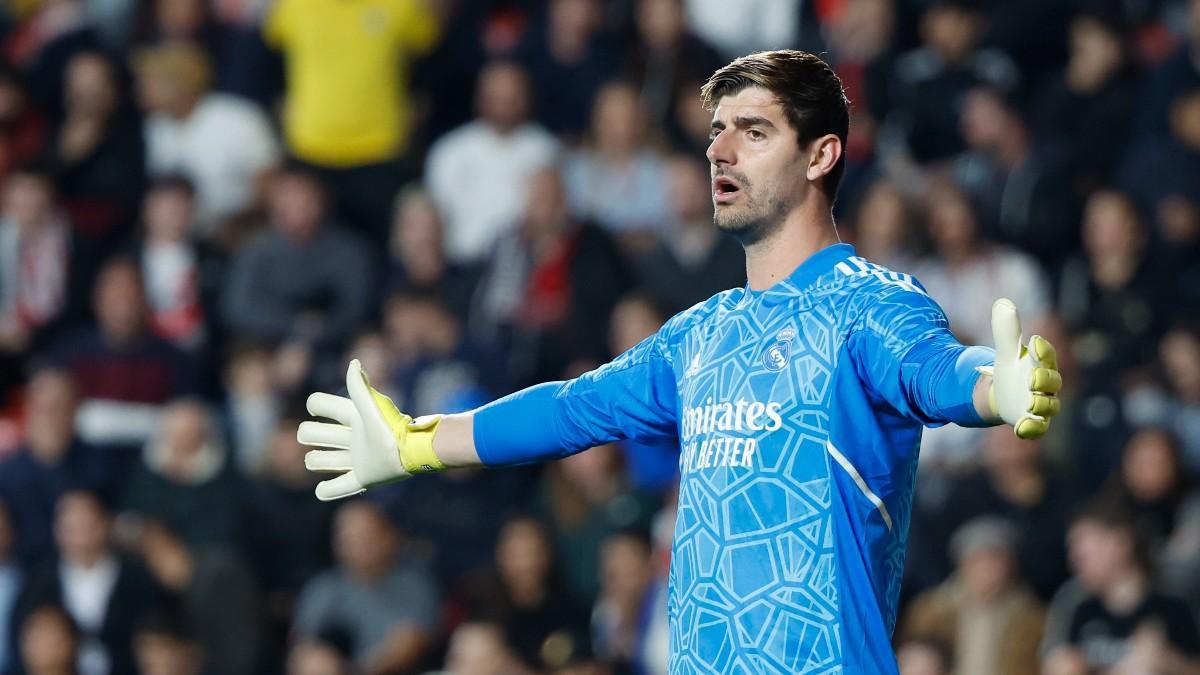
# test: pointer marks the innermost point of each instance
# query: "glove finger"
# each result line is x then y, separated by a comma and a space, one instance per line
1045, 380
345, 485
331, 407
328, 460
359, 387
1044, 405
1006, 330
1044, 352
1031, 427
324, 435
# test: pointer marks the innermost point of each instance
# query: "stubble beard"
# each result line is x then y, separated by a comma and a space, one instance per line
753, 220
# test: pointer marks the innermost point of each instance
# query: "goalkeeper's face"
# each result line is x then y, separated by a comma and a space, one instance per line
757, 165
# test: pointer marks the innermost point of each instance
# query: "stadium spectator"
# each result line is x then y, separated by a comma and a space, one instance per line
568, 57
384, 600
173, 266
478, 648
585, 497
124, 373
309, 316
51, 462
690, 260
1179, 73
618, 159
185, 479
163, 646
1002, 160
757, 26
1159, 169
666, 56
97, 161
626, 570
1017, 484
35, 255
983, 612
252, 404
967, 267
1179, 358
861, 36
49, 642
478, 174
550, 287
103, 591
1150, 484
11, 577
35, 268
1085, 111
1181, 555
215, 594
352, 130
285, 533
42, 43
525, 593
444, 366
1111, 297
883, 227
931, 82
222, 143
419, 259
1110, 618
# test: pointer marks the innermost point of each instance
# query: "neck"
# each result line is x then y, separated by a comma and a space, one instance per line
808, 229
1125, 593
1014, 148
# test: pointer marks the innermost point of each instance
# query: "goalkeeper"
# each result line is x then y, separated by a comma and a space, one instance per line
798, 402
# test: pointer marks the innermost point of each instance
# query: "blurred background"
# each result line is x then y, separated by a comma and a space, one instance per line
208, 206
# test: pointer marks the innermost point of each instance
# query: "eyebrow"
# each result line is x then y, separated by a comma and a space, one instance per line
746, 121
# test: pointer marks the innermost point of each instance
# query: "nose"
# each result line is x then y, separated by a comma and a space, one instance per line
720, 150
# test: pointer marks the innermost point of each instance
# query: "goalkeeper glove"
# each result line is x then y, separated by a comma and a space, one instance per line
1025, 378
372, 443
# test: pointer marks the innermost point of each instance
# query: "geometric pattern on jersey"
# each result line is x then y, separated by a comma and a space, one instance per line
769, 524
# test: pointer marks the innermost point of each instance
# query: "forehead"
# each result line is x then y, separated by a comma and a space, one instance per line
749, 102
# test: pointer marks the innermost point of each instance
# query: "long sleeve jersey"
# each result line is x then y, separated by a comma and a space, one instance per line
799, 412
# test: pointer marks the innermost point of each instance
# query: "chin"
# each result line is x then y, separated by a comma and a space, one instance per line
743, 227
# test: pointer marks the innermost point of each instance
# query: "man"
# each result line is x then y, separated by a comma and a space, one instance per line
1111, 617
798, 402
478, 174
384, 600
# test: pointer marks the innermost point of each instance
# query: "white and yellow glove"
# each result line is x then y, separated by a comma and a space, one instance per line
372, 443
1025, 379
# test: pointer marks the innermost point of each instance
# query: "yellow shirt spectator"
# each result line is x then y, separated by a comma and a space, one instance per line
347, 74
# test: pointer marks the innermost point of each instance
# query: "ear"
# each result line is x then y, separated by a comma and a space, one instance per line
824, 153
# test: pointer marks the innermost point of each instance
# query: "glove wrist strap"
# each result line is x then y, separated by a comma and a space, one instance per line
416, 452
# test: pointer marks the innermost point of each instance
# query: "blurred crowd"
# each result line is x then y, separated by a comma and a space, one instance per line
208, 206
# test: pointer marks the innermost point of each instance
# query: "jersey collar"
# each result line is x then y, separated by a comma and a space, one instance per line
809, 271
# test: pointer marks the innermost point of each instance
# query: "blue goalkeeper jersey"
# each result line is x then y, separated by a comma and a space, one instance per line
798, 411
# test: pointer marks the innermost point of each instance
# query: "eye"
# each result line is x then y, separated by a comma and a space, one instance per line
756, 135
712, 135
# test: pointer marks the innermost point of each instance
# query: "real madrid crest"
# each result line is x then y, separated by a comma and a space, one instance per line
776, 356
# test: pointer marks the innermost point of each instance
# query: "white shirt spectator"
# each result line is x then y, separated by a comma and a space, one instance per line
998, 273
478, 178
619, 197
222, 147
747, 26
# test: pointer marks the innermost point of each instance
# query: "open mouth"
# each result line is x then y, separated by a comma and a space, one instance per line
725, 189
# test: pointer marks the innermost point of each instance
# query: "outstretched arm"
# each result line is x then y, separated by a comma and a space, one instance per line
912, 360
371, 443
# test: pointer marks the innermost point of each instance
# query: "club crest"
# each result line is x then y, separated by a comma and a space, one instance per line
776, 357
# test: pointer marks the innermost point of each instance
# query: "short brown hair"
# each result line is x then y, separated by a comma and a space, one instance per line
809, 91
